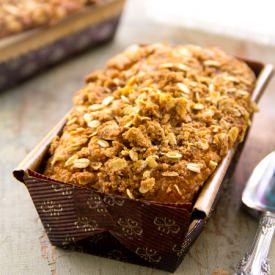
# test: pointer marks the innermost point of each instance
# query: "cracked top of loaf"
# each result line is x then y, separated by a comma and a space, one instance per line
155, 122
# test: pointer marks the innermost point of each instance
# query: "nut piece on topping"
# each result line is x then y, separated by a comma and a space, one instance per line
151, 161
96, 107
194, 167
70, 161
103, 143
180, 67
212, 63
203, 145
146, 185
170, 174
183, 88
56, 158
198, 106
107, 100
71, 121
81, 163
93, 123
87, 117
233, 134
130, 194
146, 174
173, 155
172, 139
213, 164
133, 155
178, 190
125, 99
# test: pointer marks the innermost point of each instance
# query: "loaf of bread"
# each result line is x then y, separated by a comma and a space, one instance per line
155, 123
17, 16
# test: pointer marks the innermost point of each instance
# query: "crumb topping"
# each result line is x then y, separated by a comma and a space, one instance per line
155, 123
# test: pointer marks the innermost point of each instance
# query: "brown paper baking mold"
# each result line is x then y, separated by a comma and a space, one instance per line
140, 232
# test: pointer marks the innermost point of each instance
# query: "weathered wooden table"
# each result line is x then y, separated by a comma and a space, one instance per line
28, 112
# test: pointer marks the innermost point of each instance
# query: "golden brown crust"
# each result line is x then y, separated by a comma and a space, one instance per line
155, 123
17, 16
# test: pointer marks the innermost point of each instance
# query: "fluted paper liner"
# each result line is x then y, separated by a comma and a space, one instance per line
141, 232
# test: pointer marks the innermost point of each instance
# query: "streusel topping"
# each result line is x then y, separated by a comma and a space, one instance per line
155, 123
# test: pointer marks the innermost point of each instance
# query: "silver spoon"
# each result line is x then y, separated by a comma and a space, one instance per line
259, 194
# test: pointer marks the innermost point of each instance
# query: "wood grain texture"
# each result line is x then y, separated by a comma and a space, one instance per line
30, 110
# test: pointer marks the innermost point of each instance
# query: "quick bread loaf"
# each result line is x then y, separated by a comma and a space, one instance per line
155, 123
17, 16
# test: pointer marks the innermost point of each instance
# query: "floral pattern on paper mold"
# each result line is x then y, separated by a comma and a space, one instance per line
181, 250
166, 225
148, 254
68, 240
95, 202
64, 190
52, 208
86, 224
130, 227
112, 201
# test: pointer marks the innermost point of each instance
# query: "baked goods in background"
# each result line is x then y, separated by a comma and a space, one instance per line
36, 34
17, 16
155, 123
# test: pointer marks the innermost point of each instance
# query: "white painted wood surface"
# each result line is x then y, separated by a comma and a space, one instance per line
29, 111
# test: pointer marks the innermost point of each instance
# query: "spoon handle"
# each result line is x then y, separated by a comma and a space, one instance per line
255, 261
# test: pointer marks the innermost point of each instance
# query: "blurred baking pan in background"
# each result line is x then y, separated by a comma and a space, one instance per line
45, 34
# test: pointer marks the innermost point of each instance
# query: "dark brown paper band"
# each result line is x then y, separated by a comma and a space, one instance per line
70, 213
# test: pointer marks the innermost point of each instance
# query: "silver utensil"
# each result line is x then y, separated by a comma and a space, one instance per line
259, 194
